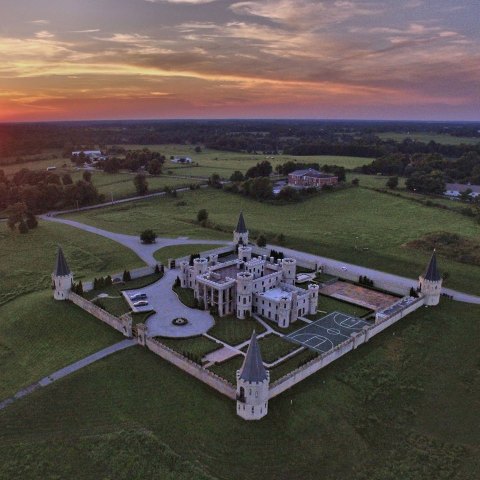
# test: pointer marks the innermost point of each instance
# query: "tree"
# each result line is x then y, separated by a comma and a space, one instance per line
148, 236
67, 179
154, 167
392, 183
79, 288
261, 241
202, 215
237, 176
141, 184
126, 276
22, 227
31, 221
215, 181
87, 176
355, 182
198, 149
465, 195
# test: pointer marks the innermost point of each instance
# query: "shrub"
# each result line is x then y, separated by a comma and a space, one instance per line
261, 241
202, 215
148, 236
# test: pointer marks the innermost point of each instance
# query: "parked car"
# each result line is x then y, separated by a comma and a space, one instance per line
138, 296
140, 303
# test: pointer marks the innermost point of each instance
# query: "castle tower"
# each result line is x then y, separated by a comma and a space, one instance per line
313, 290
240, 234
289, 269
284, 308
244, 294
252, 384
244, 253
431, 282
184, 267
200, 266
62, 277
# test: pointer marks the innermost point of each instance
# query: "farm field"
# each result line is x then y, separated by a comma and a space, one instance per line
365, 235
225, 163
381, 426
426, 137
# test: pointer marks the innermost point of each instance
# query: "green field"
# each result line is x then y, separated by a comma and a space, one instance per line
444, 139
39, 336
355, 225
384, 411
225, 163
28, 260
179, 251
232, 331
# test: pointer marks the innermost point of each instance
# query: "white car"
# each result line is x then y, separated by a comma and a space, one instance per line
344, 269
141, 303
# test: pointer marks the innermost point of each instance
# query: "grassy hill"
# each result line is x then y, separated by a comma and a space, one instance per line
354, 225
403, 406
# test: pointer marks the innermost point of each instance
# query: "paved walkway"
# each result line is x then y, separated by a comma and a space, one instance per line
68, 370
167, 306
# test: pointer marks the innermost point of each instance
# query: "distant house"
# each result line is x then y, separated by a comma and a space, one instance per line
91, 154
311, 178
454, 190
181, 160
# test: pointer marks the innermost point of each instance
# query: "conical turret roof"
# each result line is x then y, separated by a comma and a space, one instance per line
241, 228
252, 369
432, 273
61, 266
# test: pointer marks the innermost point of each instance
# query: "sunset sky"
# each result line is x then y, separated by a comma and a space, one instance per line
113, 59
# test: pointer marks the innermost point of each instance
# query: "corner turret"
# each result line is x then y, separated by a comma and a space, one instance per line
62, 277
252, 384
430, 282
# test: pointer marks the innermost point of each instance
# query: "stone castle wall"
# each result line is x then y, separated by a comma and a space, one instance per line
192, 368
122, 324
355, 340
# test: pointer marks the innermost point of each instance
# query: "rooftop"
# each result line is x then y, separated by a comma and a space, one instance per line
252, 369
277, 294
310, 172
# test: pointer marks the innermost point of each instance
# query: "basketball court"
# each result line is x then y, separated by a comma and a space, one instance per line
324, 334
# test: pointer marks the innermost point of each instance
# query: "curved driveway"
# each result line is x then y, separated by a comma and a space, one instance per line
145, 252
167, 307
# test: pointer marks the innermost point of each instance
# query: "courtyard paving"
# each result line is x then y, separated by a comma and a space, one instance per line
167, 306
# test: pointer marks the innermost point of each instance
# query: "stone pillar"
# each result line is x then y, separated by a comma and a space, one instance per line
141, 334
220, 303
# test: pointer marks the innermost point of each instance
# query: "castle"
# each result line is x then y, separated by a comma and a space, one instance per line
248, 284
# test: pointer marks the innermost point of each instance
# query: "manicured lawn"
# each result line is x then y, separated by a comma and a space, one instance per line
291, 364
228, 369
178, 251
39, 336
186, 296
234, 331
28, 260
354, 225
197, 346
273, 348
387, 409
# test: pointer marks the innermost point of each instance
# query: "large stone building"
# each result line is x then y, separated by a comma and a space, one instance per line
311, 178
249, 284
